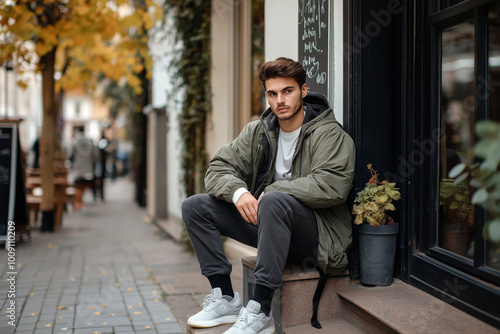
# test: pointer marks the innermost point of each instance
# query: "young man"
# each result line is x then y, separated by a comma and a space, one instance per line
280, 186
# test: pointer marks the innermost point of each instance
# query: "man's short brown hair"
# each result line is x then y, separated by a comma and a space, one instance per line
282, 67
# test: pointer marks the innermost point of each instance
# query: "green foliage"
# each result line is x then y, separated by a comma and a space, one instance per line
455, 198
374, 200
484, 175
192, 25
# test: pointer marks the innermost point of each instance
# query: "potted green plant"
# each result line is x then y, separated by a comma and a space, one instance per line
484, 175
377, 231
455, 211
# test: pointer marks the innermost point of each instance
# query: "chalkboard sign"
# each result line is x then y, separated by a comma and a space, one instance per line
12, 192
7, 174
313, 43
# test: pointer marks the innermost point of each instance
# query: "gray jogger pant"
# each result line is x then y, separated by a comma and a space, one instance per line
286, 229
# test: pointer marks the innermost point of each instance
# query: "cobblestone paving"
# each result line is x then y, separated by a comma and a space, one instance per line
95, 275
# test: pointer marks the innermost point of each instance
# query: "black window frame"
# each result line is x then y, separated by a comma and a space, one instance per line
444, 274
441, 21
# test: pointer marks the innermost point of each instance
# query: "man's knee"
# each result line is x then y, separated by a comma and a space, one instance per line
273, 198
274, 204
189, 206
195, 205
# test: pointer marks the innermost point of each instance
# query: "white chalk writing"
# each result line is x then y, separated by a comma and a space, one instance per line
313, 42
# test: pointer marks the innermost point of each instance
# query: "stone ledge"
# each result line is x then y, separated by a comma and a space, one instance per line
291, 272
402, 308
293, 301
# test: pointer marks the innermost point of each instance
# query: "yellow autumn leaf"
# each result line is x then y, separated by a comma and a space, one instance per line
137, 90
39, 10
82, 10
138, 68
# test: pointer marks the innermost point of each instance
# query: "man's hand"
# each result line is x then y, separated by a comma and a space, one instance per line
247, 206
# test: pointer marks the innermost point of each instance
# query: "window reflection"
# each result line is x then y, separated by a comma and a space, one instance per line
493, 92
457, 124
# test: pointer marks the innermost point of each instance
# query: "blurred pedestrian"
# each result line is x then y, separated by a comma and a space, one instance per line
36, 153
102, 145
83, 156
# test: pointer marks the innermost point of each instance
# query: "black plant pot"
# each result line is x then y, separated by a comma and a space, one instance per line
377, 249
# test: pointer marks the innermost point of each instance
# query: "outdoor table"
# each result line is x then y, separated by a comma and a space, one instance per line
60, 184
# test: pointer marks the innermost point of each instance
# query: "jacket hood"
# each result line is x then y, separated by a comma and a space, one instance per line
317, 103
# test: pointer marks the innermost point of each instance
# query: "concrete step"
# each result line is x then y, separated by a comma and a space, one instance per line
337, 325
402, 308
292, 303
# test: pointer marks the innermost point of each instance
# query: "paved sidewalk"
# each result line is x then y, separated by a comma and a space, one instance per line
107, 271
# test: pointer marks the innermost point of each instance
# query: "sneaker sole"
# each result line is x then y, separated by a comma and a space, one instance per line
269, 330
228, 319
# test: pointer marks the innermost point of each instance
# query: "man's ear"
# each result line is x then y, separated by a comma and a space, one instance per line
304, 90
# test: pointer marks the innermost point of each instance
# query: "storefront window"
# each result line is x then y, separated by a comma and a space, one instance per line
493, 93
459, 87
457, 118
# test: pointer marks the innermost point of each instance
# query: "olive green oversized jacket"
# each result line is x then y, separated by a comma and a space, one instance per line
322, 173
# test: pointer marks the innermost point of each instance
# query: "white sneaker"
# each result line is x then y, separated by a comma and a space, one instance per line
217, 310
252, 321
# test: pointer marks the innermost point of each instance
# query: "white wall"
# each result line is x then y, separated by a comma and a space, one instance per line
70, 103
84, 117
31, 99
281, 29
23, 103
337, 57
164, 94
175, 189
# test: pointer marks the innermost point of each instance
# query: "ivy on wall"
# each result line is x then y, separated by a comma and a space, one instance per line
191, 21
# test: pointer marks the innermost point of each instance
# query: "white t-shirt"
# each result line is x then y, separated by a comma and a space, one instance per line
286, 148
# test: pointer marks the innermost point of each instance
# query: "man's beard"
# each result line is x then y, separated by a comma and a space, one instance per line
293, 115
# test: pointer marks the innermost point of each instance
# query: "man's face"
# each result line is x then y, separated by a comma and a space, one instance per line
285, 97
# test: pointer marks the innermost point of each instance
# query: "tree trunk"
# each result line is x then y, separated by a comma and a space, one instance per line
47, 140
